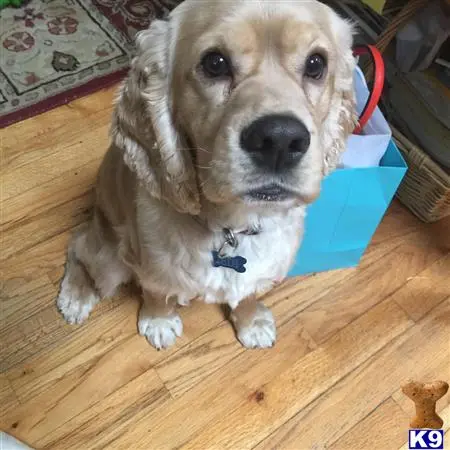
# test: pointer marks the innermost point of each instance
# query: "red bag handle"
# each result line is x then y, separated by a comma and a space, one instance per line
375, 95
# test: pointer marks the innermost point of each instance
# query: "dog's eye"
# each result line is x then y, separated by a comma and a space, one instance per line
315, 66
215, 65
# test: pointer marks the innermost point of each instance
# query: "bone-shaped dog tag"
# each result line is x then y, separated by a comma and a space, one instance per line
236, 263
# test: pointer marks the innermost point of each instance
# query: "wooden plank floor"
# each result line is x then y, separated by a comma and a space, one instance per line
347, 339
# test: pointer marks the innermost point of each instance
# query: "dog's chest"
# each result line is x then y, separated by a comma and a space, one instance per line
267, 255
188, 269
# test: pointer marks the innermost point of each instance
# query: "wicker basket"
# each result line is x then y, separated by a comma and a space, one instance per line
425, 190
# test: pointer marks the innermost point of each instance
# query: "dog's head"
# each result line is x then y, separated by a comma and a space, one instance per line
233, 100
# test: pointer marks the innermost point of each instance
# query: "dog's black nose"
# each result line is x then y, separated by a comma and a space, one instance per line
276, 142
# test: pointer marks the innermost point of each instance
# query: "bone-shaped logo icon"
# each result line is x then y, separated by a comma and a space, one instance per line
425, 396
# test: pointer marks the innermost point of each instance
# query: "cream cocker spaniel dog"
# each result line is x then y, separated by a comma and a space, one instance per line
232, 113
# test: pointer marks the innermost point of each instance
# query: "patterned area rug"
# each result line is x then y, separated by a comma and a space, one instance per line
53, 51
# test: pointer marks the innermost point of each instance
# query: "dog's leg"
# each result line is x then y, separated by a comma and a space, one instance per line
93, 271
158, 320
77, 295
254, 324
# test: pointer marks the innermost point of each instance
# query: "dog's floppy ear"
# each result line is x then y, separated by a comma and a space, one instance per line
142, 124
342, 118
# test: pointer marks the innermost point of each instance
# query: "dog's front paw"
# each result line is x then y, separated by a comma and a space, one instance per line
74, 303
261, 333
161, 332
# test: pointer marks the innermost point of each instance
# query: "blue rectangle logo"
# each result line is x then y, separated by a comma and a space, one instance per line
428, 439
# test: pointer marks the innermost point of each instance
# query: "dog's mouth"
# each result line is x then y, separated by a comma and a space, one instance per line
269, 193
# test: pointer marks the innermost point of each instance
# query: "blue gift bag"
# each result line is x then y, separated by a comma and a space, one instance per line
341, 222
